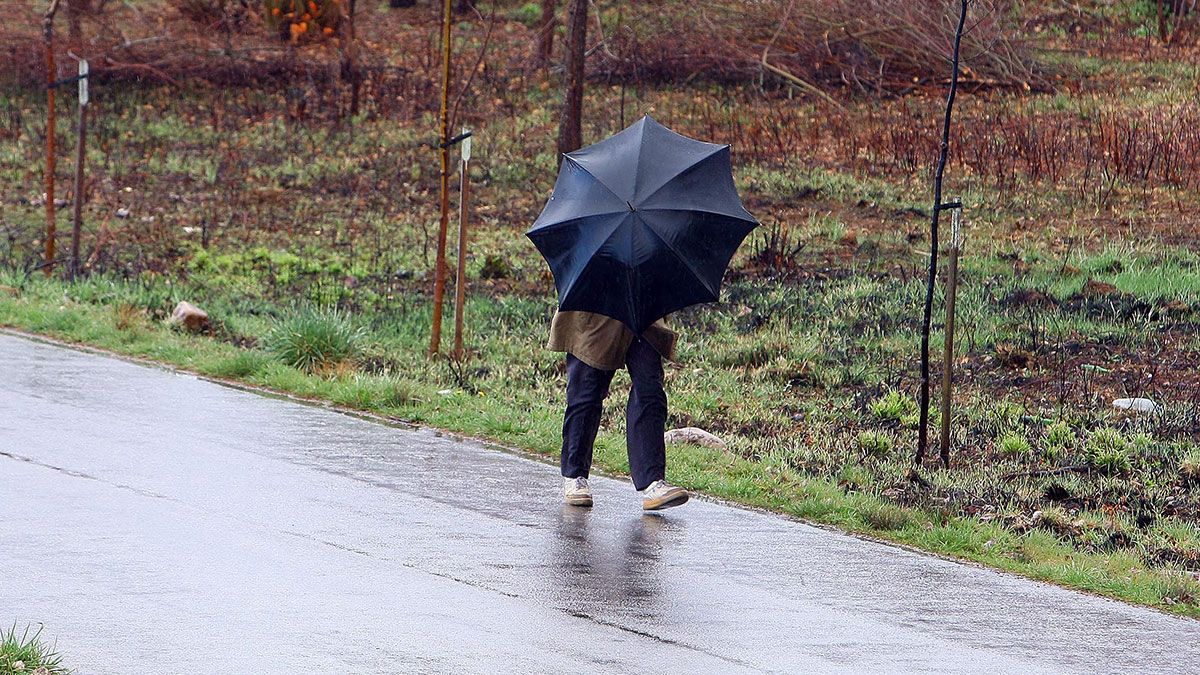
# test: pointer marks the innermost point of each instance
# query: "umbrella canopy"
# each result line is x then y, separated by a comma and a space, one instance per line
641, 224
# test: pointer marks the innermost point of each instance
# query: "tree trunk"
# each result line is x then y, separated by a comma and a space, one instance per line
351, 70
545, 43
75, 11
570, 128
439, 273
1162, 22
938, 207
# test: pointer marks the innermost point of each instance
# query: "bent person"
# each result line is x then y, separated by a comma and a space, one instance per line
597, 346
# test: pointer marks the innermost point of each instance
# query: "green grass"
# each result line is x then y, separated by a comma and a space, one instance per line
313, 339
514, 397
25, 652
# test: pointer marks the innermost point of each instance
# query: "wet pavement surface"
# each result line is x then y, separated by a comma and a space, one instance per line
157, 522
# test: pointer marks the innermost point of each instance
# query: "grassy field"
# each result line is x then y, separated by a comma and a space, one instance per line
1079, 286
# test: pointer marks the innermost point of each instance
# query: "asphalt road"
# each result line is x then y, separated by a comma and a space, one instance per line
157, 522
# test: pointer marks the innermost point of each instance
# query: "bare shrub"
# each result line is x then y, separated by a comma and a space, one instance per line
868, 46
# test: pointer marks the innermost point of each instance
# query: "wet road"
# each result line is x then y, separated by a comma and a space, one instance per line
156, 522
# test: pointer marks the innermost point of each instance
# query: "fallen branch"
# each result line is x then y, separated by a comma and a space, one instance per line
808, 86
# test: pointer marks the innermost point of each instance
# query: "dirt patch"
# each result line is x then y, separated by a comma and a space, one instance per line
1027, 297
1091, 373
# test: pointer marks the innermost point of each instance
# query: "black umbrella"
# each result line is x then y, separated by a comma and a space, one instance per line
641, 224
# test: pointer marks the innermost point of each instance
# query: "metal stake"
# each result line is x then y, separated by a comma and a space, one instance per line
956, 241
51, 131
460, 281
80, 155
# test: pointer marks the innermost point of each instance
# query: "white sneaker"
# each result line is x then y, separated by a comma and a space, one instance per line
662, 495
576, 492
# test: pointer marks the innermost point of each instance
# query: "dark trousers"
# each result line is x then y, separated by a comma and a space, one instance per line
645, 415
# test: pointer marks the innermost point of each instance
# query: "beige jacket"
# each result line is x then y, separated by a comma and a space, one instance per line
601, 341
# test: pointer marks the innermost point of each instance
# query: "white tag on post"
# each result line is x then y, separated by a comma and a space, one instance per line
466, 147
83, 82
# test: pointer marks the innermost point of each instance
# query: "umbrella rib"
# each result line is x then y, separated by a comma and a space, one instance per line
667, 181
596, 178
572, 221
590, 257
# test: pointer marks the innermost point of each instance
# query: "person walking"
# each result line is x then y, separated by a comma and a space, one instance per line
640, 225
597, 346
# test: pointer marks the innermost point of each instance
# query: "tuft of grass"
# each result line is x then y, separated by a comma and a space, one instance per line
1108, 451
1060, 437
242, 365
893, 407
315, 340
128, 316
26, 653
853, 478
375, 392
886, 517
875, 444
1054, 519
1177, 587
1189, 466
1013, 444
1175, 541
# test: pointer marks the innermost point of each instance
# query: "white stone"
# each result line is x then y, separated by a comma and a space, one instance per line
696, 436
1137, 405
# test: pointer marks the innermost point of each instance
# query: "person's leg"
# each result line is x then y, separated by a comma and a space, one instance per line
646, 415
586, 389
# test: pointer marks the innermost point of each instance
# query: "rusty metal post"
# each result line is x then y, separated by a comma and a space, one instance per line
51, 131
439, 273
460, 280
80, 156
956, 241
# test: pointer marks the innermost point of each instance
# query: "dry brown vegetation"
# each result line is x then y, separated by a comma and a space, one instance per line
873, 47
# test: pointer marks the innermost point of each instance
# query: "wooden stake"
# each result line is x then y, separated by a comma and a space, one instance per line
439, 273
938, 207
80, 156
51, 131
948, 352
460, 280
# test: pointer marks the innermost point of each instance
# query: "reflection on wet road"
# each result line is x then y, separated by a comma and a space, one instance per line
156, 520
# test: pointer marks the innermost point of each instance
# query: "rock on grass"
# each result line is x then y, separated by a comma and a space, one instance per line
189, 317
695, 436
